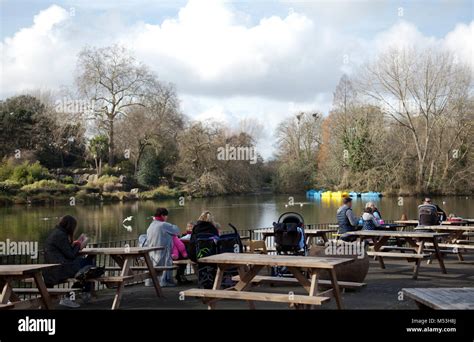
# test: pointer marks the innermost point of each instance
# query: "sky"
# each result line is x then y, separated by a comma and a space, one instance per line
229, 60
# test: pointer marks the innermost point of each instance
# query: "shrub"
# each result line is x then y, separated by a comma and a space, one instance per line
107, 179
9, 186
27, 173
109, 170
126, 167
49, 186
159, 192
67, 180
6, 170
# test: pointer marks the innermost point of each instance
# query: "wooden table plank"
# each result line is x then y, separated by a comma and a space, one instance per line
443, 298
306, 231
447, 223
119, 250
275, 260
380, 233
448, 228
18, 270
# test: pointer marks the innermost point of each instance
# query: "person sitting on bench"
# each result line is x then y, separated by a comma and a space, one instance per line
60, 248
428, 214
346, 219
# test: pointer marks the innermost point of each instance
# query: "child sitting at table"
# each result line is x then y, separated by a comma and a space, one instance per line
189, 230
179, 249
369, 221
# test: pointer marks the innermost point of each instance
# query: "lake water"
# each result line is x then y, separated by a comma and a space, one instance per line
105, 222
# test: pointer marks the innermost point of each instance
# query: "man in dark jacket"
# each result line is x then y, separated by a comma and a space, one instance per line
346, 219
429, 214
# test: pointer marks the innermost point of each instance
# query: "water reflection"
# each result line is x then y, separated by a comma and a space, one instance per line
104, 222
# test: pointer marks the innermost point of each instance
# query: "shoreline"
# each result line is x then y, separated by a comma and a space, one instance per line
55, 197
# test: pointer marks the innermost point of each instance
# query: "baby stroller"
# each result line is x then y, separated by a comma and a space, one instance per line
289, 234
289, 238
207, 245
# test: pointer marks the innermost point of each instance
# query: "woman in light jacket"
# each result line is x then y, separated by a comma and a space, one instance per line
160, 233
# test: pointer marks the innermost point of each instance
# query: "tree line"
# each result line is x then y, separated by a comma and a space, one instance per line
401, 124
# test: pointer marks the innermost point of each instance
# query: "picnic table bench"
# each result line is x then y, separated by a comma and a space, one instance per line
416, 240
455, 242
8, 295
249, 266
310, 234
414, 223
442, 298
293, 281
124, 258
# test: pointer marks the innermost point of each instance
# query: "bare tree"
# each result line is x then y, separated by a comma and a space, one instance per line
116, 82
416, 89
153, 125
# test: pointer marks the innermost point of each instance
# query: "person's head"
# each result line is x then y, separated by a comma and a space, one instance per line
368, 210
162, 213
347, 201
68, 224
427, 200
206, 216
370, 205
190, 225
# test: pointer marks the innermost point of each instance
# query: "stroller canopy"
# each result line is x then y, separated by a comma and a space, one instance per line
291, 217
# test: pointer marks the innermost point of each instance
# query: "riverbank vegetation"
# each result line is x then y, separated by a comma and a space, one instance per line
403, 124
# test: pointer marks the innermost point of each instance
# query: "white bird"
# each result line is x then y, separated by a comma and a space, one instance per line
444, 202
127, 219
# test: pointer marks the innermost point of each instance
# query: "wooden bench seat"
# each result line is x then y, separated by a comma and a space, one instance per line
452, 245
142, 268
291, 280
7, 306
464, 241
255, 296
396, 248
398, 255
184, 262
115, 279
52, 291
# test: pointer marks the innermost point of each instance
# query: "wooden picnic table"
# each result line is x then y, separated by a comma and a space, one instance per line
414, 223
309, 233
456, 232
388, 226
124, 257
456, 242
10, 273
249, 266
416, 240
442, 298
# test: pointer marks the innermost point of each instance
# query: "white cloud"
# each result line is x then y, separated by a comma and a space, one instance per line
37, 56
460, 42
223, 64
